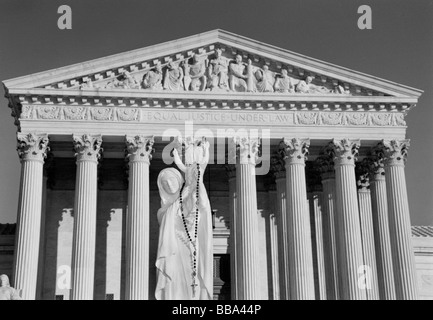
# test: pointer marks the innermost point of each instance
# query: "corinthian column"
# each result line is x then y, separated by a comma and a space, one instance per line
326, 166
367, 234
314, 194
32, 150
347, 222
139, 150
298, 221
395, 153
385, 273
283, 250
231, 174
246, 220
87, 150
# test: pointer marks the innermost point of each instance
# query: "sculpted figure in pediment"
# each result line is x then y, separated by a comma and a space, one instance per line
306, 86
303, 86
339, 89
124, 81
265, 79
218, 70
153, 78
173, 79
195, 74
283, 83
240, 75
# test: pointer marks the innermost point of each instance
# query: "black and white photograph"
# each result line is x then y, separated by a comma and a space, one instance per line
242, 150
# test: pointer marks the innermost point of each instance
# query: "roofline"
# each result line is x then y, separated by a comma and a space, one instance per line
203, 39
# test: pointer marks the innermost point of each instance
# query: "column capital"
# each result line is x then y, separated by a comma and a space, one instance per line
362, 171
295, 150
31, 146
394, 151
344, 151
139, 148
87, 147
277, 166
247, 149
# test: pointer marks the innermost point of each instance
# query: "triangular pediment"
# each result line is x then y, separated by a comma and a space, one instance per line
194, 64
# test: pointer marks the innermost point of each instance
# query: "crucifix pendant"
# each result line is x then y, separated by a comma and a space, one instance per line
193, 285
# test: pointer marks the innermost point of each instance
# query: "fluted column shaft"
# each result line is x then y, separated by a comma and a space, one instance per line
315, 202
139, 150
298, 221
32, 150
395, 153
231, 173
347, 223
247, 262
274, 255
283, 250
87, 149
367, 234
273, 236
385, 272
329, 234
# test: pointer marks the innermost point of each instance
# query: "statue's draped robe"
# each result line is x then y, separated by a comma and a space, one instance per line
7, 292
174, 258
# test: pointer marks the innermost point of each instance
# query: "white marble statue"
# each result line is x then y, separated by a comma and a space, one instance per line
218, 70
173, 80
152, 79
185, 255
6, 291
265, 79
283, 83
238, 78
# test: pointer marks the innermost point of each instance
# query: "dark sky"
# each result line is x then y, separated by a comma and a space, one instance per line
398, 48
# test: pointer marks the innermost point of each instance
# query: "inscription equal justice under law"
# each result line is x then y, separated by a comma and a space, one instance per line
219, 117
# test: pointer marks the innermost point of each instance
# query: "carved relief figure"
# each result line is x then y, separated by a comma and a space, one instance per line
197, 74
237, 78
339, 89
153, 78
124, 81
185, 257
283, 83
173, 77
265, 79
186, 75
303, 86
218, 70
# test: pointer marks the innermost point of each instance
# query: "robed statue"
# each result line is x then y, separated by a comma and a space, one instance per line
185, 251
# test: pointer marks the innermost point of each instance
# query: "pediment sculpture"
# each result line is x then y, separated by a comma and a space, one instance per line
213, 72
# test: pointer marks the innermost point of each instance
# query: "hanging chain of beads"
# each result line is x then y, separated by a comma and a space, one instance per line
193, 242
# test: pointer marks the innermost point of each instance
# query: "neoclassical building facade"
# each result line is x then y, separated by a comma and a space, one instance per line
306, 178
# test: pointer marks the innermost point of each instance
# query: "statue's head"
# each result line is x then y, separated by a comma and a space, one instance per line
218, 52
238, 58
158, 67
169, 183
309, 79
265, 67
284, 72
4, 281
